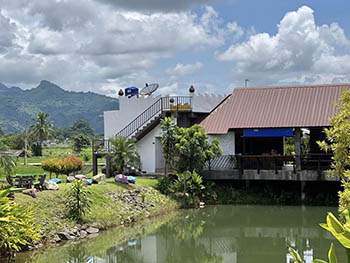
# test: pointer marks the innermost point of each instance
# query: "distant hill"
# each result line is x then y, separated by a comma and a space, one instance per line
64, 107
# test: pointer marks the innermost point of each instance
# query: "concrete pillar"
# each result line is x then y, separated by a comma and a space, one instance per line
94, 164
297, 143
108, 167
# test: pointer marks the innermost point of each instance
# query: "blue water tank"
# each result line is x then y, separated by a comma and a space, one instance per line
131, 91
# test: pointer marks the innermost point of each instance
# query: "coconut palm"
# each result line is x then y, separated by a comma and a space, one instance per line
7, 161
41, 130
123, 154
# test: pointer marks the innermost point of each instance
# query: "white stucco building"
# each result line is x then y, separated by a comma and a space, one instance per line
139, 118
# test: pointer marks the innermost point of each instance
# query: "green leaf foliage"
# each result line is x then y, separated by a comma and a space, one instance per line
332, 257
123, 153
340, 231
40, 131
168, 141
295, 255
7, 161
80, 142
191, 185
65, 165
338, 137
338, 141
18, 227
194, 149
77, 201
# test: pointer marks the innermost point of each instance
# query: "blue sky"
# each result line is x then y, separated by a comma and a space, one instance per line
105, 45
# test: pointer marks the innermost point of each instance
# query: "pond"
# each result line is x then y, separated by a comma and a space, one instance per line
235, 234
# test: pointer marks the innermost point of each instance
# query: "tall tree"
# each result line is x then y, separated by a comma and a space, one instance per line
41, 130
194, 149
338, 141
80, 141
123, 154
7, 161
168, 141
82, 127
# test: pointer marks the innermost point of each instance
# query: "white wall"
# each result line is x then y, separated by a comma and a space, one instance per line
147, 149
227, 142
129, 109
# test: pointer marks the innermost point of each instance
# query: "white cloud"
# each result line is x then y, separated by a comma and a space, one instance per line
155, 5
7, 33
171, 89
300, 51
86, 44
185, 69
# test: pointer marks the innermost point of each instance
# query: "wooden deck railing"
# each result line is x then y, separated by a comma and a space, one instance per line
316, 162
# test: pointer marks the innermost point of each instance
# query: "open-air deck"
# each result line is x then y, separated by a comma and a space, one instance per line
269, 167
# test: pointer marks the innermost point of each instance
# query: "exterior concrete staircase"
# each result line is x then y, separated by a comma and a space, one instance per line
151, 117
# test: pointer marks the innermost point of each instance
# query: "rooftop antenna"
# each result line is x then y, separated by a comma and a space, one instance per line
246, 82
149, 89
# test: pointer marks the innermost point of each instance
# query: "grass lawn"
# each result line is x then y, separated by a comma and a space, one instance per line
105, 211
85, 155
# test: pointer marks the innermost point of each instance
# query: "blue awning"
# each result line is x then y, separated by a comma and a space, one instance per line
268, 132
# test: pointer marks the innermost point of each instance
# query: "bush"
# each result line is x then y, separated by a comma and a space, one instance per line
164, 183
51, 165
62, 166
191, 185
71, 164
77, 201
17, 225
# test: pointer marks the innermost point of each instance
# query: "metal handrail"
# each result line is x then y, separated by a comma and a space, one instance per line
181, 103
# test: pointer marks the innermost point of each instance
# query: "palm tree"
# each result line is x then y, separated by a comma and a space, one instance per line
123, 154
41, 130
7, 161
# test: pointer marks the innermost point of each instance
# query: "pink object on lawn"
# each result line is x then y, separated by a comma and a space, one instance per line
119, 178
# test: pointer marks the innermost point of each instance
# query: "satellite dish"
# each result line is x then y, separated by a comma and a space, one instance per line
149, 89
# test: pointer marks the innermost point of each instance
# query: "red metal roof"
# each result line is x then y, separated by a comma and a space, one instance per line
273, 107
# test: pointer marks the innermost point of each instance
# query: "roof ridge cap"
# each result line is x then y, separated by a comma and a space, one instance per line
295, 86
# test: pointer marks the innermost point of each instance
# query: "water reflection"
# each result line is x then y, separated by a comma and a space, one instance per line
220, 234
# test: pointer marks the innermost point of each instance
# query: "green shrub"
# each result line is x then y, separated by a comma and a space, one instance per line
62, 166
77, 201
51, 165
164, 183
71, 164
191, 185
17, 225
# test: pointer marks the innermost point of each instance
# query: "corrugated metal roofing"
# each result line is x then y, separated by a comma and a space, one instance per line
272, 107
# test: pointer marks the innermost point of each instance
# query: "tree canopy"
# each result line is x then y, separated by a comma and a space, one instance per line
41, 130
123, 154
338, 141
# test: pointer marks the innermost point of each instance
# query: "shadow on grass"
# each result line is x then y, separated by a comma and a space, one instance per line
124, 186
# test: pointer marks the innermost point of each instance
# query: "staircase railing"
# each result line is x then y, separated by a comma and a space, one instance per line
172, 103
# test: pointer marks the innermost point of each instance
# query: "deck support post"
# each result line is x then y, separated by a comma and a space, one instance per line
108, 167
94, 164
297, 144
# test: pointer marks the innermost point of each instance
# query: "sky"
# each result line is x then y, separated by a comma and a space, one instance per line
105, 45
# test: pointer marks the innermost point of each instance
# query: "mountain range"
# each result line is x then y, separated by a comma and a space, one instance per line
64, 107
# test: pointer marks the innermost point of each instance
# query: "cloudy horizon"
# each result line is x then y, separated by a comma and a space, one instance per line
104, 45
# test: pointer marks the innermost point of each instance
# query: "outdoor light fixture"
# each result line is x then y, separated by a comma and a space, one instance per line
121, 92
171, 100
191, 89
